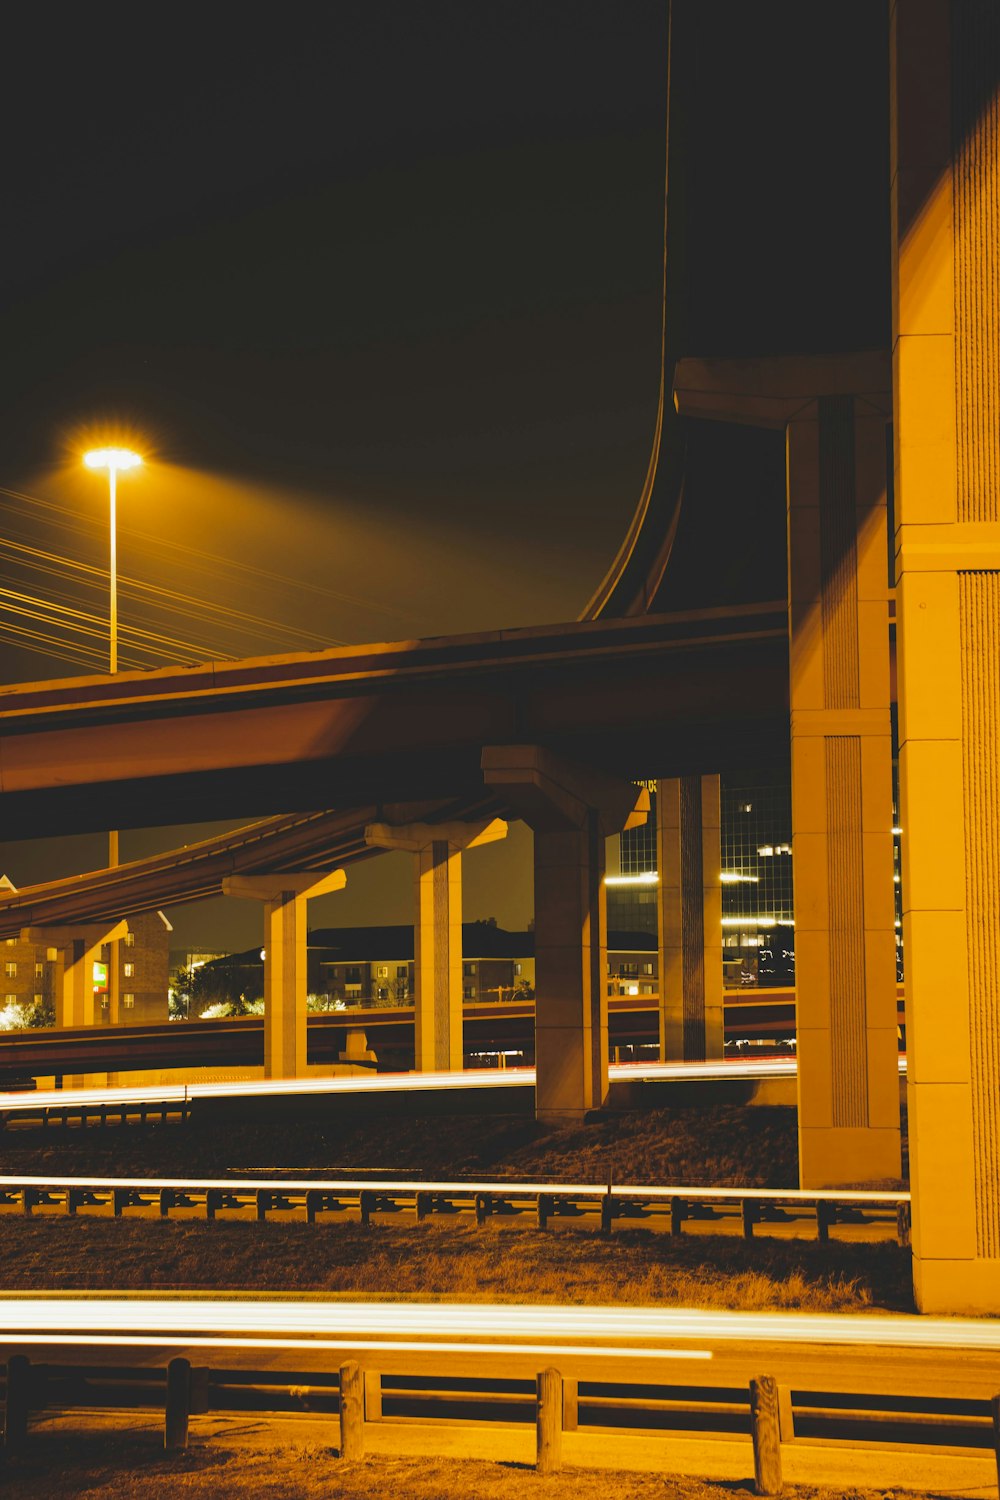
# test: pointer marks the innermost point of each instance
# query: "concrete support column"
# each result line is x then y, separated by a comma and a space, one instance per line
833, 411
572, 811
946, 377
285, 960
689, 861
77, 950
845, 947
437, 937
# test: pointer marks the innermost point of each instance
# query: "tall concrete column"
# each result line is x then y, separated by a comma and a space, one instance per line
77, 951
834, 413
285, 960
946, 374
689, 861
437, 936
572, 811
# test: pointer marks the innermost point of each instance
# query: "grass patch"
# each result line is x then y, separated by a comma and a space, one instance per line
728, 1145
458, 1261
105, 1466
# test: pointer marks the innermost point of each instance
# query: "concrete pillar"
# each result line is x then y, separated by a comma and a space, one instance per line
572, 811
834, 412
77, 949
689, 861
845, 945
285, 956
946, 376
437, 937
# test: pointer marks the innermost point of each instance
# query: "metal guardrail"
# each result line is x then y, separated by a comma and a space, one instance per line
311, 1200
772, 1415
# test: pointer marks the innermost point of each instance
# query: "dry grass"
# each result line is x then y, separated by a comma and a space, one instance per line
134, 1467
452, 1260
700, 1145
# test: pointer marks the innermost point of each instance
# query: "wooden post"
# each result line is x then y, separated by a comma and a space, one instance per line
749, 1211
352, 1412
484, 1207
263, 1204
548, 1424
766, 1433
544, 1210
178, 1408
27, 1201
677, 1215
373, 1396
365, 1204
15, 1426
422, 1206
826, 1215
166, 1202
786, 1416
607, 1213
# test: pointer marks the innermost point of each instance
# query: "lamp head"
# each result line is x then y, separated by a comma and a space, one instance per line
115, 459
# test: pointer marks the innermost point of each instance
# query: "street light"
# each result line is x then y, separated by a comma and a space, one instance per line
114, 460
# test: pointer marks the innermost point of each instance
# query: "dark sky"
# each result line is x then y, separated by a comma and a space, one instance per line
376, 289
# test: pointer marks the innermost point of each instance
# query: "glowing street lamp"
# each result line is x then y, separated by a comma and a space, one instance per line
115, 460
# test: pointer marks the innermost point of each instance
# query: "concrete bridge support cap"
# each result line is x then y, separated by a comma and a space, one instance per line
572, 810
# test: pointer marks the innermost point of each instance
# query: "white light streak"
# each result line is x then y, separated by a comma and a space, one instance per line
517, 1327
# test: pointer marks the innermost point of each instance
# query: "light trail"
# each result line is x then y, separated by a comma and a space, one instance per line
516, 1327
479, 1078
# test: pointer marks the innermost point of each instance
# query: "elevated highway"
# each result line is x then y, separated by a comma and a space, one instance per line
405, 721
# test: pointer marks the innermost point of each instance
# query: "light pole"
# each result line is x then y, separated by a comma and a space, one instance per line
114, 460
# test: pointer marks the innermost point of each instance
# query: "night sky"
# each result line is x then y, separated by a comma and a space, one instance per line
376, 288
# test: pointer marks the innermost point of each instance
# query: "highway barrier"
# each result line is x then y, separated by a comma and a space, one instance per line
772, 1417
745, 1211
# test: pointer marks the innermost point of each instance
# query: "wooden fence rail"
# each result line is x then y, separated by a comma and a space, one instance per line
771, 1415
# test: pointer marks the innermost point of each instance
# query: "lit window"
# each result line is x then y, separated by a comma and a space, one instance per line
129, 970
11, 942
647, 968
130, 939
10, 969
517, 968
128, 1001
383, 971
39, 970
11, 999
402, 971
37, 999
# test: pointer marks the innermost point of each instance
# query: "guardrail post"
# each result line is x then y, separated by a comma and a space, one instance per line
27, 1201
352, 1412
178, 1406
365, 1203
422, 1206
903, 1223
484, 1207
749, 1214
118, 1199
166, 1202
312, 1204
995, 1412
677, 1215
544, 1209
212, 1197
786, 1417
607, 1213
548, 1423
826, 1215
766, 1433
15, 1423
263, 1204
